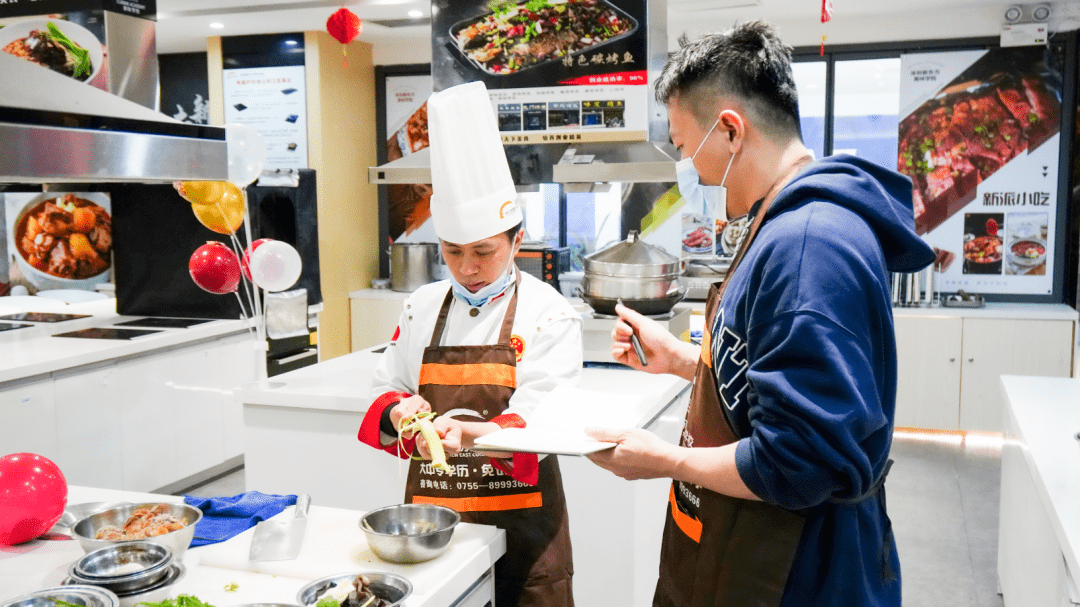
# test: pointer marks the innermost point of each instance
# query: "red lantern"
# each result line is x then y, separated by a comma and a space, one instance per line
215, 268
33, 495
246, 261
344, 25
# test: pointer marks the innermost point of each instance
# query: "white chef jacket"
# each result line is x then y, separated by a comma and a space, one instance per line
547, 324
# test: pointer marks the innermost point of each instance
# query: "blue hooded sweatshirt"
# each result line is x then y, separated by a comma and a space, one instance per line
805, 357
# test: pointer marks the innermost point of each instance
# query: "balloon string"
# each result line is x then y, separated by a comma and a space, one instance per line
243, 312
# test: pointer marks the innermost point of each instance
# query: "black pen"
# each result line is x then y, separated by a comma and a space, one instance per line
634, 341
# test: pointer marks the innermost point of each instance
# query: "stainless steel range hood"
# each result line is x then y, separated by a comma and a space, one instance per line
54, 129
631, 161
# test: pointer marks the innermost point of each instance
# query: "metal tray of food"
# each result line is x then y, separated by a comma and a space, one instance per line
465, 57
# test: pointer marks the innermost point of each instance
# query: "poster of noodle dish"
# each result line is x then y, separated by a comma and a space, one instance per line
979, 137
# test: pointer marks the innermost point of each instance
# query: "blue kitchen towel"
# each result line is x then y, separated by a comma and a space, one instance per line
224, 517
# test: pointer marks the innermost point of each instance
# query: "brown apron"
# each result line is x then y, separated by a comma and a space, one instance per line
537, 566
722, 551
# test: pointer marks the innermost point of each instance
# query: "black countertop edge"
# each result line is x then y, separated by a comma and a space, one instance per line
46, 118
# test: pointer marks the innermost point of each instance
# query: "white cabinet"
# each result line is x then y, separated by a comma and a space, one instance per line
928, 372
373, 315
28, 422
88, 427
996, 347
137, 423
949, 367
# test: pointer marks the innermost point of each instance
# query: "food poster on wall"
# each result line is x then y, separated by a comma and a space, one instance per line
271, 100
71, 43
557, 70
406, 128
58, 240
979, 137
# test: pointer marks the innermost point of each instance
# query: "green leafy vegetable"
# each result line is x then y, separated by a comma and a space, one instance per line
60, 603
501, 7
184, 600
81, 55
232, 587
536, 5
327, 601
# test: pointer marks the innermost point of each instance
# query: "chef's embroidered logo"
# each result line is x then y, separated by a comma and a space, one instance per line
518, 345
729, 357
502, 209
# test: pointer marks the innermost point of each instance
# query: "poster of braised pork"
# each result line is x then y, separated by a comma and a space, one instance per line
557, 70
70, 43
58, 240
406, 122
979, 137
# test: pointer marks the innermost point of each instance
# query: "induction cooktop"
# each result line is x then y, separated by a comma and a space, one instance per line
107, 333
167, 323
42, 317
7, 326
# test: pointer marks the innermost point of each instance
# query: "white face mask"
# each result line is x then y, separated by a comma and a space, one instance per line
485, 294
695, 192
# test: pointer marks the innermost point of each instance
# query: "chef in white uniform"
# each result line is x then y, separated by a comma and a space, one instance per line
481, 350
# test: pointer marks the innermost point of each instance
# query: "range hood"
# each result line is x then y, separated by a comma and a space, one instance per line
54, 129
630, 161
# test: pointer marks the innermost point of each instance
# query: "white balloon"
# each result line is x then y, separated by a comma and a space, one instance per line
246, 153
275, 265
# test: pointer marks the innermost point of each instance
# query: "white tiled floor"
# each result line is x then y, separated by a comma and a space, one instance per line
943, 494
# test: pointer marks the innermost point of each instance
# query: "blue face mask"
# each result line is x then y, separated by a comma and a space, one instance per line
485, 294
698, 194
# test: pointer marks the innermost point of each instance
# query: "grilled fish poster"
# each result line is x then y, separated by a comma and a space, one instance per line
979, 137
557, 70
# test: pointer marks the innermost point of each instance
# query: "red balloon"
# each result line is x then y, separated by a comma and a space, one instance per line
33, 495
215, 268
246, 261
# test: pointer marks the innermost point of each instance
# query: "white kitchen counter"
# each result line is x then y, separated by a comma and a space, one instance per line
440, 582
1040, 492
26, 353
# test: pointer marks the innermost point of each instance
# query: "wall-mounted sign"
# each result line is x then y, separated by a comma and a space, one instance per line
556, 70
271, 100
979, 137
147, 9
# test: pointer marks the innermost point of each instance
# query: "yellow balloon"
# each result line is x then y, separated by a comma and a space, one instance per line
224, 216
206, 192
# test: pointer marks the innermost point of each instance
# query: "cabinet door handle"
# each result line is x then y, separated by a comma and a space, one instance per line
971, 360
952, 359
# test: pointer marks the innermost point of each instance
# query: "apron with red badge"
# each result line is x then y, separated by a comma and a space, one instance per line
537, 566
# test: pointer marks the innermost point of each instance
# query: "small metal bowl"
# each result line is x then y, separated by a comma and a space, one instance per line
409, 533
152, 594
387, 586
105, 566
86, 530
89, 596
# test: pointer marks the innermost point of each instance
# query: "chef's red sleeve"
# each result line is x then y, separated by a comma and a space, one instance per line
523, 467
370, 434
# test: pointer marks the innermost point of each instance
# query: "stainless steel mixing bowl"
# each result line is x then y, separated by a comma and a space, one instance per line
124, 567
389, 587
86, 529
409, 533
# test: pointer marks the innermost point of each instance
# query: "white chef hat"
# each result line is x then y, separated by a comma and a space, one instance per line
473, 195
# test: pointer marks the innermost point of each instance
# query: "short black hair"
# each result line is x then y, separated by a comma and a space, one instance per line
512, 232
748, 62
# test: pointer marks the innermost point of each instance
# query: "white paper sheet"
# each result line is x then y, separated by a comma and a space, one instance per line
558, 425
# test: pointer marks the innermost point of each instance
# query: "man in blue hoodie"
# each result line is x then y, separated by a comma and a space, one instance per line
778, 482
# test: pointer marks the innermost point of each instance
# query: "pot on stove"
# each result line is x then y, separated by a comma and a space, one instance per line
645, 277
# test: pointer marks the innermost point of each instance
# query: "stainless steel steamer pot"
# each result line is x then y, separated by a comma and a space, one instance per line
634, 271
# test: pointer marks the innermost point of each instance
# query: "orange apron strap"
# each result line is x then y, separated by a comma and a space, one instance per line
511, 311
519, 501
686, 523
489, 374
